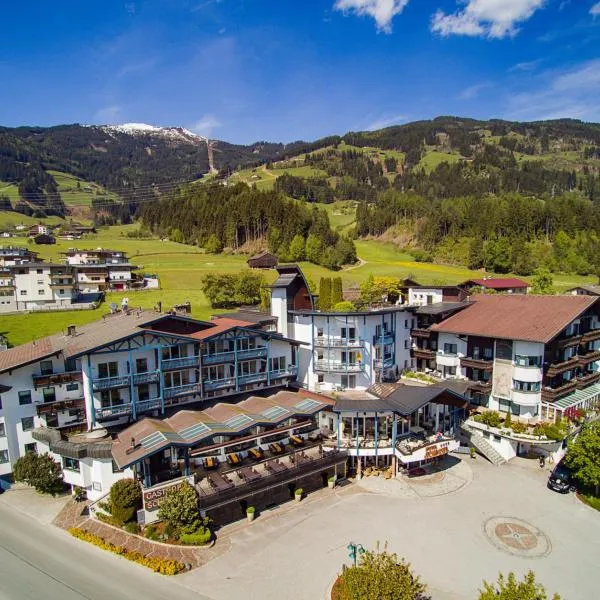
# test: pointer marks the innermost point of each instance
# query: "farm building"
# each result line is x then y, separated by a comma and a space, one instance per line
264, 260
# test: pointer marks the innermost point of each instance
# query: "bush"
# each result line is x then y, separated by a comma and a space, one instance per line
132, 527
508, 420
109, 520
380, 575
250, 510
125, 499
508, 588
299, 492
158, 565
151, 532
491, 418
40, 471
199, 538
554, 432
344, 306
179, 509
519, 427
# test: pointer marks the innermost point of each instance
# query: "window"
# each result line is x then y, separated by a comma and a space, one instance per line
504, 405
320, 378
173, 352
406, 346
49, 395
526, 386
449, 371
176, 378
348, 358
39, 271
2, 430
405, 323
450, 348
46, 367
24, 397
3, 456
143, 392
72, 387
41, 292
61, 291
110, 369
488, 353
27, 423
71, 464
110, 398
349, 333
504, 350
23, 292
348, 381
319, 332
141, 365
528, 361
31, 448
277, 363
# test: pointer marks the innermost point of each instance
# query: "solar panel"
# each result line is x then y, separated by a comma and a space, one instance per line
193, 431
237, 421
307, 405
274, 412
154, 439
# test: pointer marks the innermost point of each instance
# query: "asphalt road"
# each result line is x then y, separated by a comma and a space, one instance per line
41, 561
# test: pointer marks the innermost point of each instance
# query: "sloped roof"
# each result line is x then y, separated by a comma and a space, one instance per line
499, 283
591, 289
516, 316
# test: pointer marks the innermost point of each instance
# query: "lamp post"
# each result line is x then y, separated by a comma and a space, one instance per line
354, 550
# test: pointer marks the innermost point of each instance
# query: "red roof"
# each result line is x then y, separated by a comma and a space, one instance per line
221, 324
516, 316
499, 283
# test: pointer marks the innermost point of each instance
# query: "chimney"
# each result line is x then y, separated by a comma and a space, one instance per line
71, 330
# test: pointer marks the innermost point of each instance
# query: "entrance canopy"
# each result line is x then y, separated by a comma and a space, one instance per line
400, 399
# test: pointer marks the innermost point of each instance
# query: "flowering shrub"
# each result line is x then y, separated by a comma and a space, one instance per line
158, 565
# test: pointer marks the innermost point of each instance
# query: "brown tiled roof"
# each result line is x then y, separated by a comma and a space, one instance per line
516, 317
221, 325
109, 328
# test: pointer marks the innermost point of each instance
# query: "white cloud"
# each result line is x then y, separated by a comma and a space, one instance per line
573, 93
527, 66
473, 91
595, 10
383, 11
489, 18
206, 125
108, 114
385, 121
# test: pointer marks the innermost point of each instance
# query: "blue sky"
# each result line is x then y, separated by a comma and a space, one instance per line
280, 70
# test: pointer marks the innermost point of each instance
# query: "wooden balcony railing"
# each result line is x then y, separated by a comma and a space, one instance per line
420, 332
424, 353
557, 368
552, 394
56, 379
587, 379
477, 363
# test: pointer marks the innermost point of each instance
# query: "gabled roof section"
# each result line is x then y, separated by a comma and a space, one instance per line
516, 316
498, 283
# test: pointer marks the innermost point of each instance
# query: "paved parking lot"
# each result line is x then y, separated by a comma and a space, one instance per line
504, 519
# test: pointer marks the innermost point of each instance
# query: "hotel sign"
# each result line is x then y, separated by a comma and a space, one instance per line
153, 498
437, 450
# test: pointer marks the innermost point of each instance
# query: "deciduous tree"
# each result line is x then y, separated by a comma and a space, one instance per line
509, 588
583, 457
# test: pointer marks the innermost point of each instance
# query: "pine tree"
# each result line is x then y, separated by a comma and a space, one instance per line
337, 294
325, 293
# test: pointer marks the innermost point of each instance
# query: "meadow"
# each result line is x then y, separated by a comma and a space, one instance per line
180, 268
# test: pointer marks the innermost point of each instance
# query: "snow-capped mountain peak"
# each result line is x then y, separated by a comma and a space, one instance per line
174, 133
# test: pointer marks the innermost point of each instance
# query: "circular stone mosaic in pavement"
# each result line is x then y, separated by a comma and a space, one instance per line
517, 537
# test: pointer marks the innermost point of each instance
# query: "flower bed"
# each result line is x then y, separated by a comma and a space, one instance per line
158, 565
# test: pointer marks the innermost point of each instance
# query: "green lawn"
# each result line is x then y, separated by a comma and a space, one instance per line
78, 196
10, 190
8, 220
342, 214
433, 158
590, 500
181, 267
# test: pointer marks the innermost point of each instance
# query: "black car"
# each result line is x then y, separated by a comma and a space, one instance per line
560, 479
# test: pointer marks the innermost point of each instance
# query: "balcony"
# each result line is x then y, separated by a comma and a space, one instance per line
590, 336
592, 356
587, 379
290, 371
185, 362
52, 407
182, 390
105, 383
247, 378
420, 333
552, 394
338, 342
477, 363
424, 353
215, 384
326, 366
148, 405
387, 337
567, 342
119, 410
219, 357
147, 377
56, 379
252, 353
480, 386
386, 363
560, 367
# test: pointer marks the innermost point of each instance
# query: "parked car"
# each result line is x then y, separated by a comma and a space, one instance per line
560, 479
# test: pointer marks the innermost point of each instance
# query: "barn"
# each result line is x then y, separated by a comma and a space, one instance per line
264, 260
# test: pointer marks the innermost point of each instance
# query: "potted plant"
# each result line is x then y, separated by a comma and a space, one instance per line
250, 512
472, 452
331, 482
298, 494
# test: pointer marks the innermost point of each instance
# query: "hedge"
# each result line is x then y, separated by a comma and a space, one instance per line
158, 565
200, 538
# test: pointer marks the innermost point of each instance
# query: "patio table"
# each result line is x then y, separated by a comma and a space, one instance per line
248, 474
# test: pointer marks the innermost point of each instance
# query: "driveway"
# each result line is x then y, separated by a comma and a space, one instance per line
505, 519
